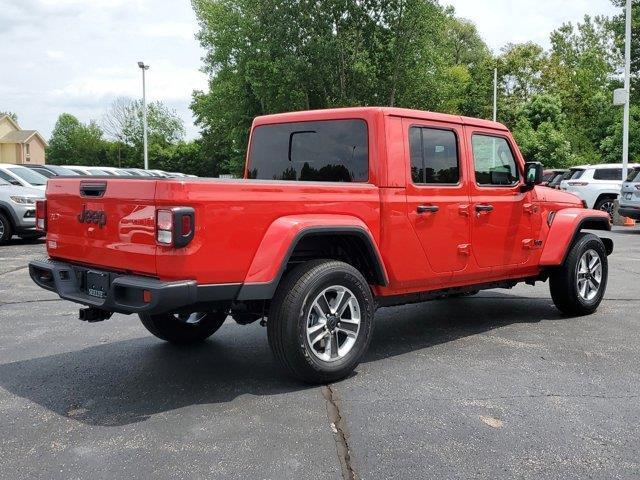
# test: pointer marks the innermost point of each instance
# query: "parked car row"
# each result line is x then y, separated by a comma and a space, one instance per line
68, 170
598, 186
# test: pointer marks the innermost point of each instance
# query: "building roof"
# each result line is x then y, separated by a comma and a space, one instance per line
19, 136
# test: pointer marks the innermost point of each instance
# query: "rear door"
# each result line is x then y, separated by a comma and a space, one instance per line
103, 222
502, 215
437, 192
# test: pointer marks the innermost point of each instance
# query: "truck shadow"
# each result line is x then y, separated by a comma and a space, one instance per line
128, 381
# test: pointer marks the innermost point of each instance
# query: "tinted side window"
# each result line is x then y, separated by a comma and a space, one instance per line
325, 151
494, 162
607, 174
434, 156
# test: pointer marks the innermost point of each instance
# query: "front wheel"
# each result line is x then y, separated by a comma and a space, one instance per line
184, 329
578, 285
321, 321
6, 231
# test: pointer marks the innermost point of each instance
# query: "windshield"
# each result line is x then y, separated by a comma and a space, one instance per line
29, 176
62, 170
98, 173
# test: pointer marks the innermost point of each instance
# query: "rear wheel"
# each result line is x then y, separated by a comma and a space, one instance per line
321, 321
184, 328
606, 205
578, 286
6, 230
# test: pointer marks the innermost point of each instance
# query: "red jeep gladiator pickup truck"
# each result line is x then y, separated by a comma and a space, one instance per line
340, 212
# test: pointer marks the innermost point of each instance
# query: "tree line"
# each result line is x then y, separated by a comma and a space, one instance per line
269, 56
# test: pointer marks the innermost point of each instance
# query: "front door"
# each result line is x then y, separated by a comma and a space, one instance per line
437, 193
501, 212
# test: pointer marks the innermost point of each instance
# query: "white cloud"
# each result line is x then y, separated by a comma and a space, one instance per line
184, 30
507, 21
55, 54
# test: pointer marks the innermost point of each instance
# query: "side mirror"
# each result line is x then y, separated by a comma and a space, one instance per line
533, 174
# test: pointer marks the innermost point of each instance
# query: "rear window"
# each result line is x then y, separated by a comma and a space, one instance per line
574, 174
607, 174
634, 175
324, 151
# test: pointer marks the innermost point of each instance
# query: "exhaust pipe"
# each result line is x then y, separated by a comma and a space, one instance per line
93, 315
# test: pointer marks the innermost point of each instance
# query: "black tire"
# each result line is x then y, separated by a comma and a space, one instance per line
606, 205
563, 281
290, 312
6, 229
175, 329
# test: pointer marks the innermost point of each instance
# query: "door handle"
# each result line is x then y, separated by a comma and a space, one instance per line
428, 209
484, 208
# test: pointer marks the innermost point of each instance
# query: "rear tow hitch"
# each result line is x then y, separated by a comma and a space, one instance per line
93, 315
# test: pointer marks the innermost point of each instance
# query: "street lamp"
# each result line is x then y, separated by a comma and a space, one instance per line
144, 68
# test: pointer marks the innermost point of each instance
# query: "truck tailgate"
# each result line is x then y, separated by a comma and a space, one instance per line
103, 222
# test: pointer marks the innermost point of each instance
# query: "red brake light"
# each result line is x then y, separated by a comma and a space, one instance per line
41, 215
186, 226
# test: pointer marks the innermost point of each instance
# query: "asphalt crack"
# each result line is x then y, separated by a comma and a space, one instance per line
32, 301
340, 435
14, 270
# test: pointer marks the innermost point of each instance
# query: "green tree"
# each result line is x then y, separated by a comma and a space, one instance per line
11, 115
268, 56
74, 143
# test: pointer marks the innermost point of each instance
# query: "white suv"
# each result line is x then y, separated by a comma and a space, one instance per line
598, 185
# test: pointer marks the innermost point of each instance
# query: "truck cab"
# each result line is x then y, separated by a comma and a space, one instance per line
339, 212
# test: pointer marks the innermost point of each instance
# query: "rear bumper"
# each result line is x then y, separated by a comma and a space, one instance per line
629, 212
125, 293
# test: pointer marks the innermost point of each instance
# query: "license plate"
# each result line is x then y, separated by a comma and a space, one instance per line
97, 284
628, 196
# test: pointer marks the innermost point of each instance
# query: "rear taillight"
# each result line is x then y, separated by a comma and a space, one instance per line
41, 215
578, 184
175, 227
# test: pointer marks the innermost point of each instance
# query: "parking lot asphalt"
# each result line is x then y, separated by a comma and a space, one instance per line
498, 385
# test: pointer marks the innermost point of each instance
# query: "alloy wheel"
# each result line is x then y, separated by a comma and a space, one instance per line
333, 323
589, 275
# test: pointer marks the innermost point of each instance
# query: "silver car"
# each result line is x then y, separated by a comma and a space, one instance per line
18, 211
630, 196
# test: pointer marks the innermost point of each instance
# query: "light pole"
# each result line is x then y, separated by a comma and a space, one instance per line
495, 94
144, 68
627, 88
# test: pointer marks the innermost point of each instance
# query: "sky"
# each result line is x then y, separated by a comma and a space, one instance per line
77, 56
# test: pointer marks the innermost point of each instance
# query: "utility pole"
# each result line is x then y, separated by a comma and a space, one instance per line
495, 94
144, 68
